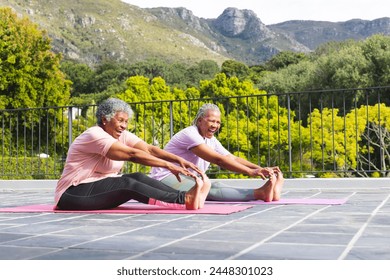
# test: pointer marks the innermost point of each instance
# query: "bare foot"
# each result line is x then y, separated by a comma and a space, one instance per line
266, 192
205, 189
193, 196
278, 186
197, 195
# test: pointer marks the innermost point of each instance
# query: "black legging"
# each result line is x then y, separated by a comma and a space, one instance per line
114, 191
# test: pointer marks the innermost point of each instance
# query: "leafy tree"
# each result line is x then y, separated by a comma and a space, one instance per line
284, 59
222, 86
176, 75
256, 73
203, 70
334, 65
137, 90
376, 50
346, 68
294, 78
81, 75
149, 68
332, 140
30, 73
374, 147
30, 77
232, 68
109, 74
190, 93
349, 142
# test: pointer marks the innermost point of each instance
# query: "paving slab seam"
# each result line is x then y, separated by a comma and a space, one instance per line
208, 230
306, 244
117, 234
254, 246
359, 233
314, 195
45, 222
183, 238
23, 217
38, 235
201, 232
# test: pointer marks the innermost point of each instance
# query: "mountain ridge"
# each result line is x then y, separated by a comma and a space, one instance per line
100, 30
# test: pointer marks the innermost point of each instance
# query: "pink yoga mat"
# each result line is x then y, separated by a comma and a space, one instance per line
319, 201
132, 208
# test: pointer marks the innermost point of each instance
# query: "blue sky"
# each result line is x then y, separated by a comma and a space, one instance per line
276, 11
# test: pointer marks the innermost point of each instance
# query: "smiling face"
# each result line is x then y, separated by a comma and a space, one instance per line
116, 125
209, 124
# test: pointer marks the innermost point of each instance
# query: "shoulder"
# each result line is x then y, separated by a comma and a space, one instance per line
129, 138
93, 140
188, 133
93, 133
190, 130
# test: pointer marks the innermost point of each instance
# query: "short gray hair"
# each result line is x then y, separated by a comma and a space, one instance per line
203, 111
110, 107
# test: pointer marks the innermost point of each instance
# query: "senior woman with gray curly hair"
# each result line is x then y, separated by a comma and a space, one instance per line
91, 178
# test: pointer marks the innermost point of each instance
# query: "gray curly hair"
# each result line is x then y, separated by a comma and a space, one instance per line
203, 111
110, 107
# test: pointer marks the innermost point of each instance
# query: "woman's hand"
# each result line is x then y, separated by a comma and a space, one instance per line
186, 165
263, 172
177, 170
275, 168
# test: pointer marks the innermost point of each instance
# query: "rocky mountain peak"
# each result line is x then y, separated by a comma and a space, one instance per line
241, 23
177, 16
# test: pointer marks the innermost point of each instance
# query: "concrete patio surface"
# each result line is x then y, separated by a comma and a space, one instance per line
356, 230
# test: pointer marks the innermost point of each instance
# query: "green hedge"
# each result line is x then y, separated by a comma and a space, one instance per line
30, 168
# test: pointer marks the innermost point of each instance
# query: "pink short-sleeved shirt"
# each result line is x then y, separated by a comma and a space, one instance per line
181, 145
86, 160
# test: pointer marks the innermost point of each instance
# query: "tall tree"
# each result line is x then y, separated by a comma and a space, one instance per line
81, 75
233, 68
284, 59
30, 74
30, 77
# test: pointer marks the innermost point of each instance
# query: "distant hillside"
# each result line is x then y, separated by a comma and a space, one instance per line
95, 31
314, 33
239, 34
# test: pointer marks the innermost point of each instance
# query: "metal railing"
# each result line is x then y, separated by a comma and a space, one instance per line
315, 133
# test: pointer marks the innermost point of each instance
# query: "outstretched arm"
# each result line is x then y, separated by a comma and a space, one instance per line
229, 162
162, 154
266, 171
233, 163
119, 151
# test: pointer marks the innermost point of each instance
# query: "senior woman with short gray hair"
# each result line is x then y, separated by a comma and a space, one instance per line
197, 144
91, 178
